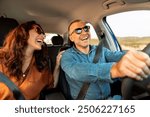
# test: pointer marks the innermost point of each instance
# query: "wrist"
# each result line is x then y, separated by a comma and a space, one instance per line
57, 66
114, 71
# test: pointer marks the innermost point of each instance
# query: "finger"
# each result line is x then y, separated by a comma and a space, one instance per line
59, 57
147, 70
138, 63
143, 57
132, 75
140, 67
61, 52
137, 70
123, 70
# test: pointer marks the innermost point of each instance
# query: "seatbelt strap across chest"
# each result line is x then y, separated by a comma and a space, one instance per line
16, 92
86, 85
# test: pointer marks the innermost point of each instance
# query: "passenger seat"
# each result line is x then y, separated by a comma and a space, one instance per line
53, 50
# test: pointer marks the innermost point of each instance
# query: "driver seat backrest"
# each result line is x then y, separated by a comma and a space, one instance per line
6, 25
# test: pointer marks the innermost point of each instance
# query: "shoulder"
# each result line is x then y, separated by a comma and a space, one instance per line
68, 55
68, 52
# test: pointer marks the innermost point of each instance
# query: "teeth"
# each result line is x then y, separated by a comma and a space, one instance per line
39, 41
85, 38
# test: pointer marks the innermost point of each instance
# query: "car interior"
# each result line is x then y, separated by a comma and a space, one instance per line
55, 15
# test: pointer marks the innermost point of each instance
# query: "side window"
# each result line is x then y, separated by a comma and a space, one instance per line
132, 29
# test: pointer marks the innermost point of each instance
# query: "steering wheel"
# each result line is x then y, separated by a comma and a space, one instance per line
133, 89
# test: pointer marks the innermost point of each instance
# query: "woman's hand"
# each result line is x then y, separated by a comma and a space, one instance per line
58, 58
57, 70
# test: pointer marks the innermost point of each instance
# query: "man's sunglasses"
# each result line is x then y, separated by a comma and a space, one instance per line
79, 30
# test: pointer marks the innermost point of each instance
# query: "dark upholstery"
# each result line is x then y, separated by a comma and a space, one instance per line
57, 40
6, 25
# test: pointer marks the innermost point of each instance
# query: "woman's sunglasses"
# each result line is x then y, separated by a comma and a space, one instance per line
39, 31
79, 30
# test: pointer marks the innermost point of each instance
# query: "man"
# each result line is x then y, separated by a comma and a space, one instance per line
77, 63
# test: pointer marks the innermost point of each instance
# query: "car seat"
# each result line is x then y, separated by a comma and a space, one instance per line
6, 25
57, 40
62, 91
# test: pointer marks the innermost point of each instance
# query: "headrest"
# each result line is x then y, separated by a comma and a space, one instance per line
6, 25
57, 40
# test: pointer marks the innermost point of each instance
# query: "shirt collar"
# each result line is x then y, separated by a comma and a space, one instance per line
74, 49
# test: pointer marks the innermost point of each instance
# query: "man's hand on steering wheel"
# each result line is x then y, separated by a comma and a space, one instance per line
134, 64
140, 89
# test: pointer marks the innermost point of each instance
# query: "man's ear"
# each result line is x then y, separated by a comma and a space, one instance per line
71, 39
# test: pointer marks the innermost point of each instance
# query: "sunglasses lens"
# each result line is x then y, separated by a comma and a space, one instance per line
86, 28
39, 31
78, 30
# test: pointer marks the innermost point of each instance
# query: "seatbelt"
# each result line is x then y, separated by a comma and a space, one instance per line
86, 85
16, 92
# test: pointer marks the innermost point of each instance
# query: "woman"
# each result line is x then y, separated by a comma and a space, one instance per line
24, 60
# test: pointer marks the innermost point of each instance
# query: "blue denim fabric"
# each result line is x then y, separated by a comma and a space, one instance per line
79, 68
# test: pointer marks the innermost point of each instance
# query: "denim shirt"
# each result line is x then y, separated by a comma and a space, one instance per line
79, 68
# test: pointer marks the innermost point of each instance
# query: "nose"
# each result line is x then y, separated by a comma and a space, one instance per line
43, 35
84, 32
